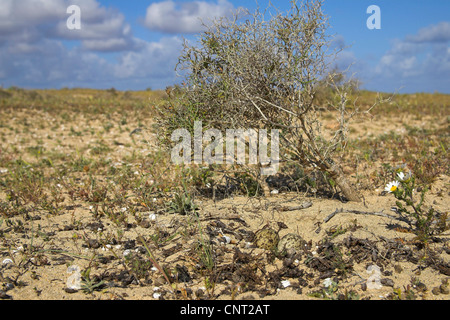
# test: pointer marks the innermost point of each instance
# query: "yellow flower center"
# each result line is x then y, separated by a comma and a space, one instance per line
393, 188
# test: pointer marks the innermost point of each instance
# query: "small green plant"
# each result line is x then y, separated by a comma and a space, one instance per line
406, 294
427, 223
248, 184
90, 285
183, 202
328, 291
204, 249
202, 177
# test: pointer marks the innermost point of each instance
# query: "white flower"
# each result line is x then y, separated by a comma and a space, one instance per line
123, 209
392, 186
327, 282
152, 216
404, 177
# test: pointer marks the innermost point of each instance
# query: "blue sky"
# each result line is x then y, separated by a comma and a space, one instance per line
135, 44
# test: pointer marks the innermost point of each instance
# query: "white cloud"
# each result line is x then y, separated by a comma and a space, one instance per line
33, 53
26, 21
435, 33
154, 60
49, 63
420, 62
186, 17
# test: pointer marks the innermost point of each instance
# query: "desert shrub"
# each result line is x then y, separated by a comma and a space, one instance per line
251, 72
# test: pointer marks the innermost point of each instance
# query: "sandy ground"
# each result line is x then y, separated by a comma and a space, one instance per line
49, 280
39, 268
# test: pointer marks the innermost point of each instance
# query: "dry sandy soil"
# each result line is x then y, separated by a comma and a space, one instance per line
41, 247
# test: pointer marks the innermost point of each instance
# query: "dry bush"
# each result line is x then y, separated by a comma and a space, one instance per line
251, 72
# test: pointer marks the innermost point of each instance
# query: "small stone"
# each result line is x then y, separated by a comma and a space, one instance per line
421, 287
436, 291
4, 296
93, 243
160, 281
387, 282
199, 293
398, 268
70, 290
144, 224
443, 289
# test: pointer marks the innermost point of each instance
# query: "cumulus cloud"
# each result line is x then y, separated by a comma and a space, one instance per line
154, 58
29, 21
436, 33
50, 63
170, 17
422, 59
34, 51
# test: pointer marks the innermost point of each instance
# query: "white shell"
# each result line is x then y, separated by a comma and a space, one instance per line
126, 252
156, 295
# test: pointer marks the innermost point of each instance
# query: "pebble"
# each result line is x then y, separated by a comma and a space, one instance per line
387, 282
4, 296
443, 288
435, 291
421, 287
398, 268
160, 281
70, 290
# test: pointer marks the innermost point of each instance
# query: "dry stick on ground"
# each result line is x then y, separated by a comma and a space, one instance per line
304, 205
153, 260
381, 214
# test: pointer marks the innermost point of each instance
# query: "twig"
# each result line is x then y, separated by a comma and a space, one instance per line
381, 214
304, 205
220, 217
153, 260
